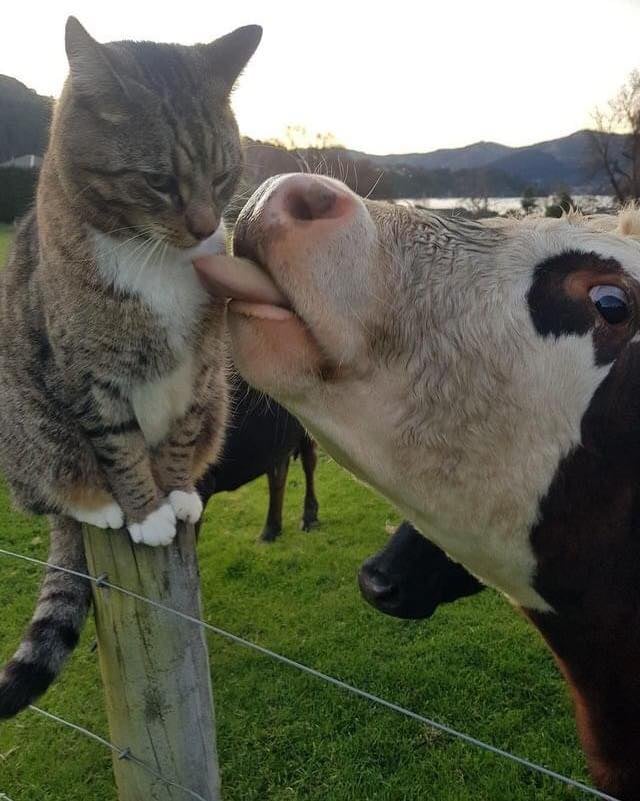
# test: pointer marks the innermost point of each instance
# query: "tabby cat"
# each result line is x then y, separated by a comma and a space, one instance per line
112, 385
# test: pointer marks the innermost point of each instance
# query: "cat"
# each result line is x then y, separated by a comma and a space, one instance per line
112, 362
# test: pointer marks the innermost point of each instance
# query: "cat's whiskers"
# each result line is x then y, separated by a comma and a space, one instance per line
138, 248
165, 247
124, 228
243, 195
89, 185
140, 235
143, 253
152, 250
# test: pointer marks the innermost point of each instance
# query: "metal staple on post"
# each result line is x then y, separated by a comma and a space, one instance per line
121, 753
592, 791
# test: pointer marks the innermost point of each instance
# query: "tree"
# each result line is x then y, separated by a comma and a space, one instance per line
562, 203
17, 192
528, 200
619, 155
24, 120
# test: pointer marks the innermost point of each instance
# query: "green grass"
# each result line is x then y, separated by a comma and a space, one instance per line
5, 240
283, 736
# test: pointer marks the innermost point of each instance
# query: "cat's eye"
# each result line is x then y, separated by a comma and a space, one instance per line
221, 178
161, 182
611, 302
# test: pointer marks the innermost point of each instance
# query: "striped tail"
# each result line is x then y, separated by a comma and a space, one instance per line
62, 608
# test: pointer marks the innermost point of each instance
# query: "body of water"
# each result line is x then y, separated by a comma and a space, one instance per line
503, 205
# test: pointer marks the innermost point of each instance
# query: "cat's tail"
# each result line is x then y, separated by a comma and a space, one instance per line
54, 630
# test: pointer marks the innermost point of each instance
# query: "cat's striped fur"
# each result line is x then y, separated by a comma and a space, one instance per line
112, 384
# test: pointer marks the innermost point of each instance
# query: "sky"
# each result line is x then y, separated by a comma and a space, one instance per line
386, 77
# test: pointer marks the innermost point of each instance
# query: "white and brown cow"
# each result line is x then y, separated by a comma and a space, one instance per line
486, 379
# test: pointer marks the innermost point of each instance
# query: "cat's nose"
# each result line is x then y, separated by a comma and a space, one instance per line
201, 221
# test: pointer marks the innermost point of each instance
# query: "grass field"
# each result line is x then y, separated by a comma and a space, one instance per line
5, 239
283, 736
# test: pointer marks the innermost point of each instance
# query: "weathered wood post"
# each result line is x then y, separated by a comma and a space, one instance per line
155, 667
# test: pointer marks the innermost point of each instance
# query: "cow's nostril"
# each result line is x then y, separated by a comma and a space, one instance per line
298, 207
375, 586
312, 202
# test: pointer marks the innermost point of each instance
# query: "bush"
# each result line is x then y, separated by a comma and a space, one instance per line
528, 201
562, 204
17, 191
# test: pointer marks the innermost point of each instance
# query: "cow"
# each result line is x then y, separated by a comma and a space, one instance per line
261, 438
410, 577
486, 380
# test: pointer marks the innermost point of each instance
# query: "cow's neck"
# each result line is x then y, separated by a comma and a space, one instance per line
587, 545
603, 672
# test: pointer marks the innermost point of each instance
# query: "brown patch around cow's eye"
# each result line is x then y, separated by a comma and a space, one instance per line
576, 292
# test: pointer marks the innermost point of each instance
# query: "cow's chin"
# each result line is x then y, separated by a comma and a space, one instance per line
275, 353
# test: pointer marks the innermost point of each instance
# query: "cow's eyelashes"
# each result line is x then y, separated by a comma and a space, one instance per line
611, 302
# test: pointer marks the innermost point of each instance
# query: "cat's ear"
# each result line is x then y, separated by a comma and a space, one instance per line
98, 77
92, 70
229, 54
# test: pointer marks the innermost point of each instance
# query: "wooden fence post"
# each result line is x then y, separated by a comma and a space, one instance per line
155, 667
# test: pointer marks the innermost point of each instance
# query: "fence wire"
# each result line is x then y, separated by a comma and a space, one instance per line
123, 753
102, 581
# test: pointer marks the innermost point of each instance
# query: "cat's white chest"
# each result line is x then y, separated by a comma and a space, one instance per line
165, 281
162, 277
157, 404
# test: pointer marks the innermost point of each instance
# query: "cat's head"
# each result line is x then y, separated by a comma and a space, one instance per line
144, 137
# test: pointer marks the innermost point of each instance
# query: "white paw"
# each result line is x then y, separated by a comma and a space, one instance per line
108, 516
158, 527
186, 505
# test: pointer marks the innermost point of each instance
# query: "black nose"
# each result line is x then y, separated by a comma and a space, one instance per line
376, 587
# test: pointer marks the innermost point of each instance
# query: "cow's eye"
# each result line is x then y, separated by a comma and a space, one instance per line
611, 302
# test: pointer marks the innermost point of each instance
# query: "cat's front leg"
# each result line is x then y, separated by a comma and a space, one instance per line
121, 451
172, 465
193, 441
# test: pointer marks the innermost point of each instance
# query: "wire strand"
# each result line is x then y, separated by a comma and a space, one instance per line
102, 581
123, 753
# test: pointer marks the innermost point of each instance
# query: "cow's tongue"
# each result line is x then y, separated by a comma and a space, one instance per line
240, 279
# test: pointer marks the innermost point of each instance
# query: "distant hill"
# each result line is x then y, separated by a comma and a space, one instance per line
479, 154
482, 168
566, 162
24, 119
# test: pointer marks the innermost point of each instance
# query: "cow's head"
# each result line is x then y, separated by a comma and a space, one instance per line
486, 379
452, 365
410, 577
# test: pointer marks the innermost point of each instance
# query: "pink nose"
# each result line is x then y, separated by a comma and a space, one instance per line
306, 198
201, 221
290, 211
